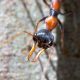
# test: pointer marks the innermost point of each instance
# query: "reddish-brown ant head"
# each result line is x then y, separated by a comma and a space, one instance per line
51, 22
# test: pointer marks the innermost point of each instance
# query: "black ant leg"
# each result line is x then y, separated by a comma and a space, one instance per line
62, 34
46, 3
39, 22
68, 13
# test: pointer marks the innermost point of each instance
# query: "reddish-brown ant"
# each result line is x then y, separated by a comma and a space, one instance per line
44, 38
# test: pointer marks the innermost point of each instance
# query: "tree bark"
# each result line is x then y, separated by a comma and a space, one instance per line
69, 60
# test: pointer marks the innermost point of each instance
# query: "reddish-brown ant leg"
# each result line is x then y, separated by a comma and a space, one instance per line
62, 34
66, 14
39, 22
37, 56
46, 3
28, 33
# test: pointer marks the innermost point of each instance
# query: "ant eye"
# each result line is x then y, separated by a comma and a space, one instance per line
35, 34
35, 37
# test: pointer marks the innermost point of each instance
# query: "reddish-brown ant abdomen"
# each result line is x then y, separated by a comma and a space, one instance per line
51, 23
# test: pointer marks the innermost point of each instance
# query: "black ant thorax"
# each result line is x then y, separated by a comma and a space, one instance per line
43, 38
53, 12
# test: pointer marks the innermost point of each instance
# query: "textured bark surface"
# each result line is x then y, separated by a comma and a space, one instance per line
69, 63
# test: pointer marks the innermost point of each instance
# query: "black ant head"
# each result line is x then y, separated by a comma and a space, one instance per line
43, 38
